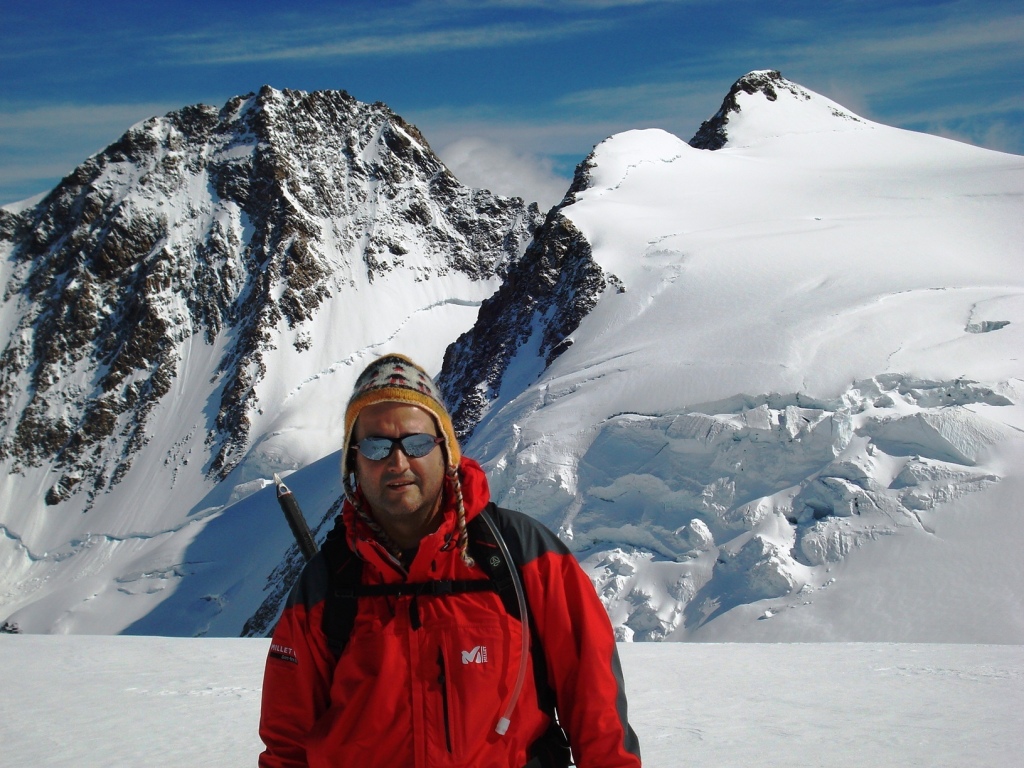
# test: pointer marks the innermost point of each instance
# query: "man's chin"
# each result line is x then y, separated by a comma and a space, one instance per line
405, 502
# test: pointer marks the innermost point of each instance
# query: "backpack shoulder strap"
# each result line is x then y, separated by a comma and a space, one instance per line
344, 571
345, 586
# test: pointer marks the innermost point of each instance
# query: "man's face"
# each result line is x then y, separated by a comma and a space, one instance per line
403, 493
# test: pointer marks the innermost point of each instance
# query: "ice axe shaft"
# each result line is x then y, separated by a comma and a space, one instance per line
296, 520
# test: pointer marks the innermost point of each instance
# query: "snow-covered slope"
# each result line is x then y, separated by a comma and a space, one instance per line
184, 315
767, 389
794, 410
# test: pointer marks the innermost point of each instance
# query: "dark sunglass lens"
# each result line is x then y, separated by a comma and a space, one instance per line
417, 446
375, 448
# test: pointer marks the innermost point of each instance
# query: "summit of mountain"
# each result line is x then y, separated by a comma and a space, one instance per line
185, 305
794, 110
763, 365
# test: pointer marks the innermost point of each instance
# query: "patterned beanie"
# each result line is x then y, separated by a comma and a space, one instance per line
395, 378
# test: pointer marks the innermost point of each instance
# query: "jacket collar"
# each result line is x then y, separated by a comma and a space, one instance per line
476, 495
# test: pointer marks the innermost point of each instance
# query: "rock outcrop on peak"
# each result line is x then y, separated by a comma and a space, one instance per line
714, 133
542, 301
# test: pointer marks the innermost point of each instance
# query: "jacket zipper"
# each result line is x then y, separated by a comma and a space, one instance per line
443, 680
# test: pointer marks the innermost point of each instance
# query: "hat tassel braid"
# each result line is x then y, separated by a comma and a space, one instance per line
460, 516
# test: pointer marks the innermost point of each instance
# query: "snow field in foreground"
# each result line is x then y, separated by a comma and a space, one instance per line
101, 701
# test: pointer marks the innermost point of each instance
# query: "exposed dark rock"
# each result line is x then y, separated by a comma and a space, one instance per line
713, 133
210, 222
12, 225
549, 291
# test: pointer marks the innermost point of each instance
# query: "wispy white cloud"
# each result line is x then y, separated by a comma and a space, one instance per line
556, 134
413, 28
109, 119
675, 100
943, 36
41, 144
567, 5
899, 54
1001, 135
387, 38
484, 163
283, 34
978, 110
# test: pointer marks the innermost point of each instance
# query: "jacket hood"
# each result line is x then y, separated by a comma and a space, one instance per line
476, 492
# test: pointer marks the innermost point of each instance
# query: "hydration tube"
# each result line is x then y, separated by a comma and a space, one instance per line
503, 723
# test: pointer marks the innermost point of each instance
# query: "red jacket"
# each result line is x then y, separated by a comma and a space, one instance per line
425, 684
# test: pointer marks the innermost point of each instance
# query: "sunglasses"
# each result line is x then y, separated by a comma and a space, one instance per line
414, 446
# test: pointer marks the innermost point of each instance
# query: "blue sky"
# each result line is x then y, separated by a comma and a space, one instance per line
510, 93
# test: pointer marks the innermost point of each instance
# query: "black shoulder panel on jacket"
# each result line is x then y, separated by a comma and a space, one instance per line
527, 538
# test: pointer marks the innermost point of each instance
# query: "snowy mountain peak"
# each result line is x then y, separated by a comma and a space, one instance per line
784, 354
762, 104
767, 392
249, 217
186, 304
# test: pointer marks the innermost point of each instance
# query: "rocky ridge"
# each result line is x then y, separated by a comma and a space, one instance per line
542, 301
229, 224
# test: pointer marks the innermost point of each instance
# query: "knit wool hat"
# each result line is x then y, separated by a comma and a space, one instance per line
397, 379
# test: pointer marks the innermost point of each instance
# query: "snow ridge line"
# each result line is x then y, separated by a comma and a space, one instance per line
362, 353
82, 543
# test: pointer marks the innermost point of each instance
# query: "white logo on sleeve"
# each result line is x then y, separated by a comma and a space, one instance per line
476, 655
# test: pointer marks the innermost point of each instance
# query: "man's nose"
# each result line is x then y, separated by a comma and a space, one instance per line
397, 458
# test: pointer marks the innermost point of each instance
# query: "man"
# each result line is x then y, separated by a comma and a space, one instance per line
431, 679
